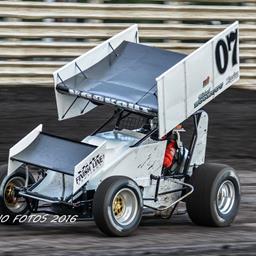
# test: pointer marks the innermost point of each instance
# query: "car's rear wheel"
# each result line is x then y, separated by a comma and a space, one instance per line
215, 200
117, 206
11, 204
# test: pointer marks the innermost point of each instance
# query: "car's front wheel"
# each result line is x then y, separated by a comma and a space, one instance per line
11, 204
117, 206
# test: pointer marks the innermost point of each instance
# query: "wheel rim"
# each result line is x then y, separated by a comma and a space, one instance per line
13, 203
226, 197
125, 206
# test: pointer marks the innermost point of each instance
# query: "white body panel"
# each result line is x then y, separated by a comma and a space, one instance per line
85, 61
138, 163
198, 156
20, 146
197, 79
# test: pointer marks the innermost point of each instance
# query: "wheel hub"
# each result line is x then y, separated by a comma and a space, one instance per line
226, 197
118, 206
10, 194
12, 201
124, 206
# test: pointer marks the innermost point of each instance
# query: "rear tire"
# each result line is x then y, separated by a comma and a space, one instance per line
10, 204
117, 206
216, 198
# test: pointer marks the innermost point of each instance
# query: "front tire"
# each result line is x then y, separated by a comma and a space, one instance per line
216, 198
10, 204
117, 206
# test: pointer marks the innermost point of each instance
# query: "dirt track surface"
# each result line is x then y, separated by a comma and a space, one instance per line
231, 140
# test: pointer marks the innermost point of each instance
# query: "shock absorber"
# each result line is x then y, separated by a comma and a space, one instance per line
169, 153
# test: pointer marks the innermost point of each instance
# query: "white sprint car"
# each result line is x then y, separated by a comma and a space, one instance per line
135, 163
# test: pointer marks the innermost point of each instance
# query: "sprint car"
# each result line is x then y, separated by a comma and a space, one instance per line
136, 163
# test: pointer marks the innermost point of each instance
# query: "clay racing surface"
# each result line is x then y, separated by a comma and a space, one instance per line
231, 140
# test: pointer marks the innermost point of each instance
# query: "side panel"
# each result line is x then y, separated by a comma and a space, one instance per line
85, 61
171, 100
137, 163
198, 156
21, 145
197, 79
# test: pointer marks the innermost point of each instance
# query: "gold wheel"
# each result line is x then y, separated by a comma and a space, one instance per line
12, 201
10, 197
118, 206
125, 206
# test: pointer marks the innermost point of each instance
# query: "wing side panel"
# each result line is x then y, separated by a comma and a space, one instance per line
197, 79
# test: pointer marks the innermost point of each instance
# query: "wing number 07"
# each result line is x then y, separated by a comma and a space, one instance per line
224, 46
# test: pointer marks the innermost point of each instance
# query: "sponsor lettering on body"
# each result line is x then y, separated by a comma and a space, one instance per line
89, 168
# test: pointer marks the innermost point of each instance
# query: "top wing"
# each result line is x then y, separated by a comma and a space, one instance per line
124, 78
145, 79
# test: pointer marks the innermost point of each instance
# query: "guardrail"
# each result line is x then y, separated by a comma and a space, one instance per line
37, 37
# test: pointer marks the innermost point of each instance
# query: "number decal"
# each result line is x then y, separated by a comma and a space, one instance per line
224, 47
230, 38
221, 45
